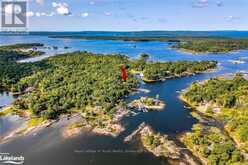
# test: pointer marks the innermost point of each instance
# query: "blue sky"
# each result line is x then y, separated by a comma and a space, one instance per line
137, 15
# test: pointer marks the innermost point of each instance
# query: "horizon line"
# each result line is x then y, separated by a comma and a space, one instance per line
139, 31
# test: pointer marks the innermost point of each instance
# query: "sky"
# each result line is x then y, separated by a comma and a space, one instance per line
137, 15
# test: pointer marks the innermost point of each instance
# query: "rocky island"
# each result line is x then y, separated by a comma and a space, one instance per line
146, 104
159, 144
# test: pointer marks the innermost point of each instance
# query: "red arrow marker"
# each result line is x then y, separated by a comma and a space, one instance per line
123, 73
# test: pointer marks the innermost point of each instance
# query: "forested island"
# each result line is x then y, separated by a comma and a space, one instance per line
28, 49
122, 38
79, 82
184, 43
22, 46
210, 45
158, 71
225, 100
159, 144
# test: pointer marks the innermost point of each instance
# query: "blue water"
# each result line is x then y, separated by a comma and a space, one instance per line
5, 99
49, 148
235, 34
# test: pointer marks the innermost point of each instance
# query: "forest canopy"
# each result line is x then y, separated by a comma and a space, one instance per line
210, 45
79, 80
231, 96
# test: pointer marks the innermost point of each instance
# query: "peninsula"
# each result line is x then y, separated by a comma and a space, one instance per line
224, 99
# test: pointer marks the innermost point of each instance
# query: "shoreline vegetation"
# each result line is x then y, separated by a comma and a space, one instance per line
10, 70
26, 49
146, 104
211, 146
80, 83
160, 145
151, 72
194, 45
224, 99
211, 45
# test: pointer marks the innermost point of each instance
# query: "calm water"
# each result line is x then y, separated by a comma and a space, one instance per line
5, 99
47, 147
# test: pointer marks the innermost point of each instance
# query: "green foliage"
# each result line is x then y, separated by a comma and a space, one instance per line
151, 140
11, 71
140, 63
213, 146
159, 70
231, 96
77, 80
212, 45
21, 46
226, 93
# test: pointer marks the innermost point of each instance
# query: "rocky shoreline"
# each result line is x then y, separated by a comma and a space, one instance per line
161, 146
108, 128
215, 113
146, 104
76, 123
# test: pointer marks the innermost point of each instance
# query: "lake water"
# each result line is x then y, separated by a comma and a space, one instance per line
49, 148
5, 99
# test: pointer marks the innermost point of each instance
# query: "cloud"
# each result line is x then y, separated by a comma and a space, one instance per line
30, 14
61, 8
84, 14
37, 14
200, 3
47, 14
55, 4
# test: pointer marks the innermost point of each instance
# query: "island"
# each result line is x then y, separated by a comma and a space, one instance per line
28, 49
211, 45
77, 83
161, 146
159, 71
146, 104
191, 44
225, 99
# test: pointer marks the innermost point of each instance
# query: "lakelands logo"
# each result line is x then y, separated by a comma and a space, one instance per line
6, 158
13, 15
